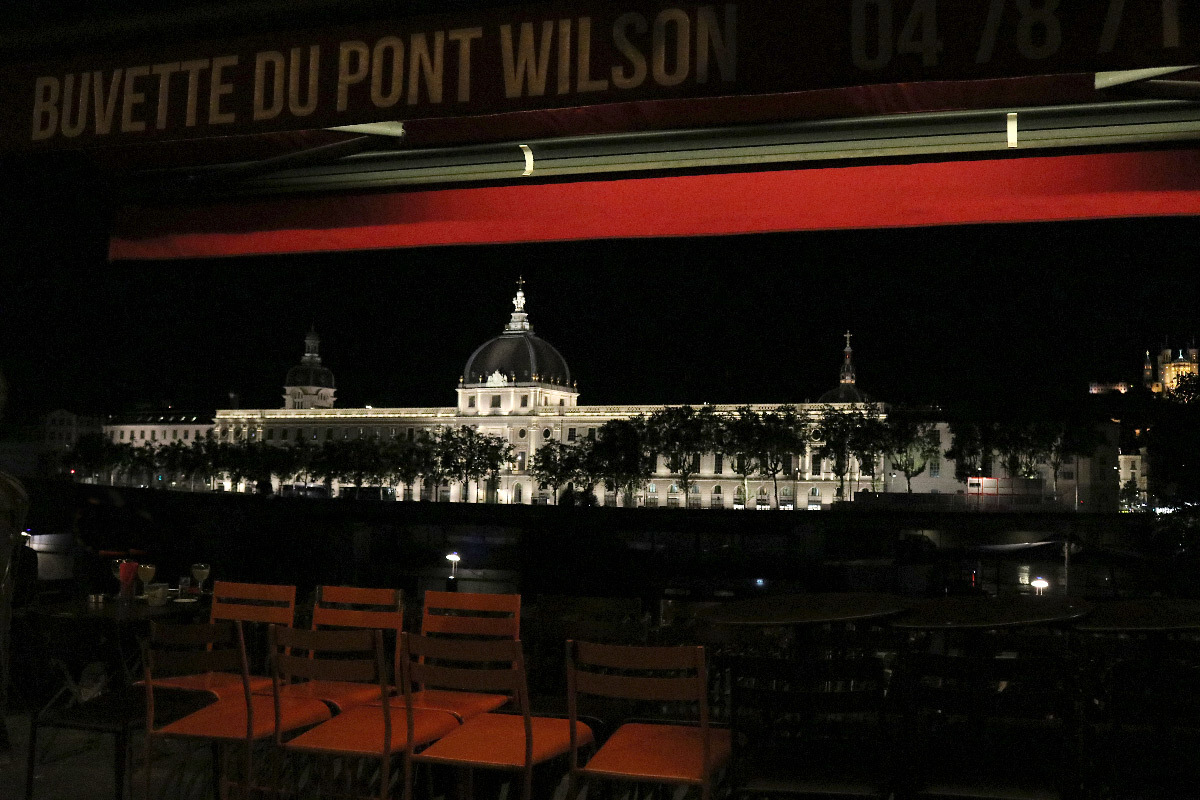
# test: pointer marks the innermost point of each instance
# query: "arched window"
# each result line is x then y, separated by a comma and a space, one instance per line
814, 492
695, 489
518, 494
786, 491
717, 491
652, 488
674, 489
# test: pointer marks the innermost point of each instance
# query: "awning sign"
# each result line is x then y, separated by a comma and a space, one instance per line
536, 57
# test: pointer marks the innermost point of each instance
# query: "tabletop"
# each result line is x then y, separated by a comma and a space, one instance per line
117, 610
948, 613
805, 609
1148, 614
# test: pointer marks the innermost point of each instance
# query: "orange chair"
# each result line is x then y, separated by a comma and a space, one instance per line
672, 754
510, 742
454, 615
241, 717
338, 658
241, 602
351, 607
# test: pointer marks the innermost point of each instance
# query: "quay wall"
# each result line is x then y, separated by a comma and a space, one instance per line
551, 550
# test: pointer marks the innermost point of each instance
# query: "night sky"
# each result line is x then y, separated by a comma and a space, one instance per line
976, 316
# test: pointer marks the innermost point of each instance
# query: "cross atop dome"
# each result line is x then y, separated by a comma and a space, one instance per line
520, 320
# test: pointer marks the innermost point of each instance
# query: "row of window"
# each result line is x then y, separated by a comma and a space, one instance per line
739, 494
494, 401
140, 434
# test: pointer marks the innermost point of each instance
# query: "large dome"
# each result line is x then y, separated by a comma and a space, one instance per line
517, 355
519, 358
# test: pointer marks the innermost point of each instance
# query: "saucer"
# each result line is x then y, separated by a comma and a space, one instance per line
185, 600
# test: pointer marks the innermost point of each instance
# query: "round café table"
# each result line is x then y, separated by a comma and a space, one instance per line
1142, 615
121, 623
987, 613
805, 609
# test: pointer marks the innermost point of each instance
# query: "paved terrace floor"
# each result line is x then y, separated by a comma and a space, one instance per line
74, 765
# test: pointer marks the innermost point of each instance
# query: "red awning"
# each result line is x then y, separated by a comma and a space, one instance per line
1028, 189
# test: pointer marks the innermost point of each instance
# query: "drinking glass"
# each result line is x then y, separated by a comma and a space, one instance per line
200, 573
145, 575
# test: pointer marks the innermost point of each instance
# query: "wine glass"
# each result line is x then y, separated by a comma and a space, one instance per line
200, 574
145, 575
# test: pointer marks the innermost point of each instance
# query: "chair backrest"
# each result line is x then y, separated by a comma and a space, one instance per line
328, 655
493, 616
473, 665
254, 602
673, 674
173, 650
325, 655
354, 607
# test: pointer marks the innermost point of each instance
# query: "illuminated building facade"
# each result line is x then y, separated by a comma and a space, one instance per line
518, 387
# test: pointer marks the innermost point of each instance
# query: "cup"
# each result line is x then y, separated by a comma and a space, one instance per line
185, 584
128, 572
158, 594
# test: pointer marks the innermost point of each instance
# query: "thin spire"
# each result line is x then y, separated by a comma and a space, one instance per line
847, 375
312, 344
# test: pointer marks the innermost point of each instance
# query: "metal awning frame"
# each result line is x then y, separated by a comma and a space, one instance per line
899, 136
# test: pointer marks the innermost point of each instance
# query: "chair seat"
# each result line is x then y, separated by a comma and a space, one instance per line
218, 684
667, 753
339, 694
359, 730
498, 741
463, 705
226, 718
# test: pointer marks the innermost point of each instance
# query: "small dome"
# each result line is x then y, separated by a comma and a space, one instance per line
844, 393
309, 371
306, 375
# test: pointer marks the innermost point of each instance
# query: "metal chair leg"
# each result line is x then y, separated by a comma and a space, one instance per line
120, 763
31, 762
